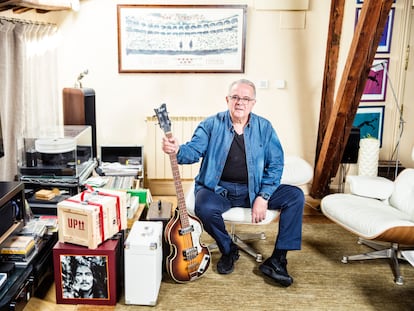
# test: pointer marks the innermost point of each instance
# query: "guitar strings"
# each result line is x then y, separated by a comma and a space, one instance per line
188, 241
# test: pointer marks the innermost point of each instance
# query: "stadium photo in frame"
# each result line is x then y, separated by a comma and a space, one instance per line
181, 38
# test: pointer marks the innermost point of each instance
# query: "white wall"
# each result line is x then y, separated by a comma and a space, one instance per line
273, 52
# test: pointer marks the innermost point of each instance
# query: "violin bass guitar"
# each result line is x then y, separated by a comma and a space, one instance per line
188, 259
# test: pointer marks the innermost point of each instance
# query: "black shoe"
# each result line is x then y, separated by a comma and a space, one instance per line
226, 263
276, 270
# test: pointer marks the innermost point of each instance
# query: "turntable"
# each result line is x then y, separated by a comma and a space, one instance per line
60, 161
58, 156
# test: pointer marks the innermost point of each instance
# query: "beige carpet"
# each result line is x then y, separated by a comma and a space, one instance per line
321, 281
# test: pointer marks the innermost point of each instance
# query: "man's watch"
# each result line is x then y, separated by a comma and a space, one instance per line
265, 196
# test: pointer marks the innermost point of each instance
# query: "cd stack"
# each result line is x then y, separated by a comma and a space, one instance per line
18, 249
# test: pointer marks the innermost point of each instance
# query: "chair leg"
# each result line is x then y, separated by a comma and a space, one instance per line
247, 248
212, 246
392, 253
395, 266
241, 239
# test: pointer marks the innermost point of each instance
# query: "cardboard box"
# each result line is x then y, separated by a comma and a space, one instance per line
143, 263
144, 195
86, 276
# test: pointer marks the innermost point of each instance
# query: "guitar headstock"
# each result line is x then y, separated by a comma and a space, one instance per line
162, 116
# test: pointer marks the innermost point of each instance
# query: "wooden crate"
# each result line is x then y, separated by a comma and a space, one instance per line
121, 199
86, 223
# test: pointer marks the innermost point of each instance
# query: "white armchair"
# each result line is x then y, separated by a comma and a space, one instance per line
380, 212
296, 172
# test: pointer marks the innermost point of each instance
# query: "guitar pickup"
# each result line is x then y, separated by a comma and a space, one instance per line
186, 230
190, 253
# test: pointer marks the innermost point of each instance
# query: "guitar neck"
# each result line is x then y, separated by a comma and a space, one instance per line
178, 188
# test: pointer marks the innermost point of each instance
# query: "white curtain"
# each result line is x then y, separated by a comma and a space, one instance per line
29, 95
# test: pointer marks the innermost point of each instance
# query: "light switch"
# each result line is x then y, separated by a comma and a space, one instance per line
263, 84
280, 84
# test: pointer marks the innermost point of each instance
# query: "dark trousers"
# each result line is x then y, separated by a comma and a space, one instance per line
289, 199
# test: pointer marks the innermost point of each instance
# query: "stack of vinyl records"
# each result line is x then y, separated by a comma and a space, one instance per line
18, 249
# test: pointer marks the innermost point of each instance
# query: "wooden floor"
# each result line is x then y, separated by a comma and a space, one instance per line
312, 214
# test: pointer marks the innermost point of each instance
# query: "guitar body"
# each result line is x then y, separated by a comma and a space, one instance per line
189, 259
181, 267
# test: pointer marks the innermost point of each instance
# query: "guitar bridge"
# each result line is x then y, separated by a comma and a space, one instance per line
203, 264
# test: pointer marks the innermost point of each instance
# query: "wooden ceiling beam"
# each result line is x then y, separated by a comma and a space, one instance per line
367, 35
330, 72
21, 6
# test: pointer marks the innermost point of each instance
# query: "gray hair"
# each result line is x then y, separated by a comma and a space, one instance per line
244, 81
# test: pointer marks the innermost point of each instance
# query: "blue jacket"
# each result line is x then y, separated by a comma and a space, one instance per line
211, 141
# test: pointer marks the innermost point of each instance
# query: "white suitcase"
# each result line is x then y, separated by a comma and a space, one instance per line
143, 263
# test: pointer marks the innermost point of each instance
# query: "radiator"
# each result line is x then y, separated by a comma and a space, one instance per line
158, 165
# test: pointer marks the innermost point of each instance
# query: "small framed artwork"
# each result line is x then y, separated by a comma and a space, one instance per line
362, 1
181, 38
370, 121
86, 276
384, 45
376, 85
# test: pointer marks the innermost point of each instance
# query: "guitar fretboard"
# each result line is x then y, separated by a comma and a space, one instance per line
178, 189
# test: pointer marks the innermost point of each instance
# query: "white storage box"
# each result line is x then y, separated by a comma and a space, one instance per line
143, 263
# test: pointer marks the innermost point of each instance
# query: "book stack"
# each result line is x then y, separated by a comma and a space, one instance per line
45, 194
19, 249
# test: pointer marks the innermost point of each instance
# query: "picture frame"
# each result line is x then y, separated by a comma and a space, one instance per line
362, 1
370, 121
96, 268
376, 85
384, 45
181, 38
79, 269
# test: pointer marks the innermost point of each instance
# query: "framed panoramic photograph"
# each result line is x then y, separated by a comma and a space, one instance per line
376, 85
370, 121
384, 45
181, 38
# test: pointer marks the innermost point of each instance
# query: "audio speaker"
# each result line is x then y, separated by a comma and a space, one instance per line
79, 109
352, 147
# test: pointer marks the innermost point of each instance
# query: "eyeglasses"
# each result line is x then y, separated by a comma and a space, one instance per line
243, 100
